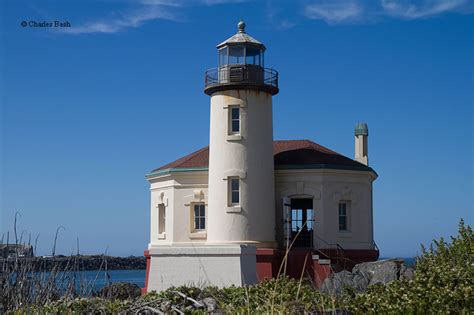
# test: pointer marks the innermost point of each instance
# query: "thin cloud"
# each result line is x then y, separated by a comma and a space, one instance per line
274, 17
130, 18
146, 10
213, 2
172, 3
426, 8
356, 11
334, 12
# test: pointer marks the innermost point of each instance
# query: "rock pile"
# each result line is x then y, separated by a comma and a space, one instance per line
366, 274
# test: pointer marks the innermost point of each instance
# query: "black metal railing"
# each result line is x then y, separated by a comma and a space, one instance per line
241, 74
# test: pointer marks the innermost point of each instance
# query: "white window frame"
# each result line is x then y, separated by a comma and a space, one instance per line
230, 191
236, 136
193, 223
231, 130
346, 215
161, 221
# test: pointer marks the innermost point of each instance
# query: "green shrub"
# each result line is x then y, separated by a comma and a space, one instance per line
280, 295
443, 282
78, 306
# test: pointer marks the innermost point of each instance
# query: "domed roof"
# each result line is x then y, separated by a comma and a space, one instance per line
361, 129
241, 38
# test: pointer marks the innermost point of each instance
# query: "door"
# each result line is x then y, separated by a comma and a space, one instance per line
302, 222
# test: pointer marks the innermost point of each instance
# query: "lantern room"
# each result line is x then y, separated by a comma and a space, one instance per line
241, 49
241, 65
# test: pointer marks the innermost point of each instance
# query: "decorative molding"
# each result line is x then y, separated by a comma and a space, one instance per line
197, 196
344, 194
181, 186
241, 104
235, 173
301, 188
234, 209
162, 236
162, 199
197, 235
234, 137
175, 170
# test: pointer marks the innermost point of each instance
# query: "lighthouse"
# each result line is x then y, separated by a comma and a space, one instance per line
241, 170
236, 211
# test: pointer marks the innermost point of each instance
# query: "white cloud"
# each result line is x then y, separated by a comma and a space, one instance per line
213, 2
130, 18
350, 11
145, 10
334, 12
172, 3
426, 8
275, 18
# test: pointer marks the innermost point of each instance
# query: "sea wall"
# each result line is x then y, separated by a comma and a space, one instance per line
80, 262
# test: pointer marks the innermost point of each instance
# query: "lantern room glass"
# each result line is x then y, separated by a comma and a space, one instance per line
237, 55
252, 56
223, 56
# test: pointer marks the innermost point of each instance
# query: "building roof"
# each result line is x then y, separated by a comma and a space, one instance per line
288, 154
241, 38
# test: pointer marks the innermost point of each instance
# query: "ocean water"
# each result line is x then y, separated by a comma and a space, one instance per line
137, 276
101, 278
409, 261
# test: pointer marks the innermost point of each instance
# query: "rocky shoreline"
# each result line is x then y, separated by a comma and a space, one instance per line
83, 262
366, 274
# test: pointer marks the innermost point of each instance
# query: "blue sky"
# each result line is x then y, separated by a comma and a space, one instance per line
87, 111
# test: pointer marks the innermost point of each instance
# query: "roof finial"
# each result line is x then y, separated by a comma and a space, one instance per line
241, 26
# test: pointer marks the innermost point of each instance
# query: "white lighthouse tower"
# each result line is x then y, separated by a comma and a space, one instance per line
206, 224
241, 170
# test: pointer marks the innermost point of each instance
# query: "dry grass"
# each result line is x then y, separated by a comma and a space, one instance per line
28, 281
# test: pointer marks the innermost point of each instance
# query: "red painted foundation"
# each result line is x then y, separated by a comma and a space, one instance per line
298, 263
147, 256
315, 265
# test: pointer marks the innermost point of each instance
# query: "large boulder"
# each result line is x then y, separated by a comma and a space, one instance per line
367, 274
120, 291
406, 273
337, 282
382, 271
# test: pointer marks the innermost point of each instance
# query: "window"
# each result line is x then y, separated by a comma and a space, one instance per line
199, 217
296, 220
236, 55
234, 120
252, 56
302, 220
161, 219
343, 216
234, 191
223, 57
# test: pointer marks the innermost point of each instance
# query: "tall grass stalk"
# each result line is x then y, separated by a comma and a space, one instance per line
26, 281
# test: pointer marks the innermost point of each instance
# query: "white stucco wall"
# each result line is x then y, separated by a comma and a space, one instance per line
249, 156
361, 149
202, 265
327, 188
178, 191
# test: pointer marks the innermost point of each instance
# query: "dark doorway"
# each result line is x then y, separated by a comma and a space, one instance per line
302, 222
